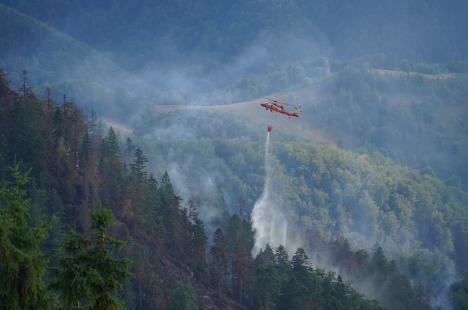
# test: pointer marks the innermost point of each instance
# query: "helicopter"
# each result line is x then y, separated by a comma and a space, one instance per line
277, 106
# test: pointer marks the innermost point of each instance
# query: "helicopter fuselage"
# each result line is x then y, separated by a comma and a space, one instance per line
272, 107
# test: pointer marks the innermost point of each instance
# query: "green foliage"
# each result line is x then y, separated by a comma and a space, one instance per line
372, 200
22, 262
330, 192
413, 118
307, 285
459, 294
284, 284
111, 168
218, 266
139, 165
89, 274
367, 199
77, 170
267, 280
183, 298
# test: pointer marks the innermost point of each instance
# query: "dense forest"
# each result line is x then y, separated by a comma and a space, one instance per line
77, 175
328, 192
414, 118
133, 158
91, 228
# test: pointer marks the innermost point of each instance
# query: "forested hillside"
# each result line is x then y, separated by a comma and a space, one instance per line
69, 194
415, 119
368, 199
65, 65
135, 170
225, 29
200, 52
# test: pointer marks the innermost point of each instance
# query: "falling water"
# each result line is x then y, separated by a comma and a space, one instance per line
268, 222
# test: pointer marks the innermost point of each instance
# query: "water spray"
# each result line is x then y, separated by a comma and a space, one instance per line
268, 222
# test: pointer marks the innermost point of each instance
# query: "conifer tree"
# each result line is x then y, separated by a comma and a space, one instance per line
267, 282
219, 260
89, 272
197, 242
111, 169
241, 264
192, 211
182, 298
59, 123
110, 145
22, 263
85, 151
138, 166
282, 263
170, 211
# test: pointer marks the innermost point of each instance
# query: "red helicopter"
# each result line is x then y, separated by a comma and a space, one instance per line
276, 106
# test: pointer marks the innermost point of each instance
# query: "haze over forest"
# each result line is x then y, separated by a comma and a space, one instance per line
140, 122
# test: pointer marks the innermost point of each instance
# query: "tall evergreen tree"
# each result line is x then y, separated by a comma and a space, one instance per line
22, 263
111, 169
170, 211
197, 243
219, 261
282, 263
182, 298
267, 281
241, 268
89, 272
138, 166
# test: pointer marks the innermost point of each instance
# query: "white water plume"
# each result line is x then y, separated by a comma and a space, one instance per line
268, 221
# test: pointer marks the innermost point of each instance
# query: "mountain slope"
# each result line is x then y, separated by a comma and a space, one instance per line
79, 176
324, 191
417, 119
418, 30
54, 59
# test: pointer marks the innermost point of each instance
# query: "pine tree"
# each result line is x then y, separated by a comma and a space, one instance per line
219, 260
241, 264
300, 289
95, 129
199, 249
192, 211
138, 166
25, 88
59, 123
267, 281
182, 298
88, 271
111, 169
110, 145
85, 151
282, 263
22, 263
197, 242
170, 212
299, 261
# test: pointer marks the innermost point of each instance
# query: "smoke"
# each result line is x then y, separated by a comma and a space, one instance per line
270, 62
